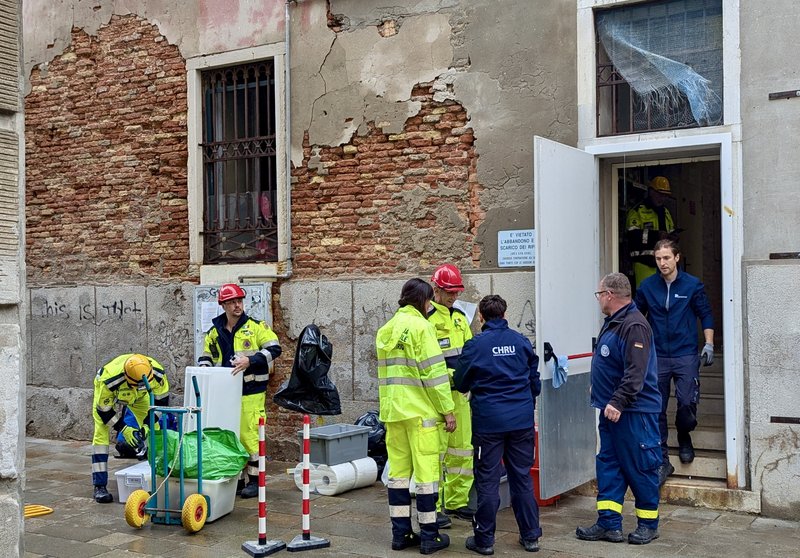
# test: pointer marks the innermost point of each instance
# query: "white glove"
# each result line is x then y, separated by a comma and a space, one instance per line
707, 354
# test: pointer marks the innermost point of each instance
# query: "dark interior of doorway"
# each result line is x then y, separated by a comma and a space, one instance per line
695, 208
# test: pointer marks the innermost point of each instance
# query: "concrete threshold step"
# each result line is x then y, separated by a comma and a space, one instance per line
704, 438
712, 494
707, 464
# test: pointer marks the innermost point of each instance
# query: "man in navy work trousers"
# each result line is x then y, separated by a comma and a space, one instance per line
673, 300
625, 389
500, 369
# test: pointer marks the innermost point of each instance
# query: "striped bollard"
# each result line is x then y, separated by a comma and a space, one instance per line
262, 547
306, 541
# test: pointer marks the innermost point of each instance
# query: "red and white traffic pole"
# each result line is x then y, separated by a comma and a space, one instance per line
306, 541
262, 547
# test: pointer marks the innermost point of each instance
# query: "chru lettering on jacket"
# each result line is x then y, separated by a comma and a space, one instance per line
504, 350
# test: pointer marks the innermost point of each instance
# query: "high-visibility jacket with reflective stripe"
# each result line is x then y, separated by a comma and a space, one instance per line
452, 331
412, 376
111, 386
644, 225
249, 338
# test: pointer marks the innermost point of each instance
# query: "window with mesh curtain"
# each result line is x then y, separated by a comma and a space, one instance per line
659, 66
239, 164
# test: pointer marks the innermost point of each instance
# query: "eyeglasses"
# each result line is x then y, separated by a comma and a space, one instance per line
598, 293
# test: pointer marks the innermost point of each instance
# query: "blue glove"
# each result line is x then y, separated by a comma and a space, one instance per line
707, 354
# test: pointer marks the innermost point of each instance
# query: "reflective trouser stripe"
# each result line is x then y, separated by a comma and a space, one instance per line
609, 505
646, 514
100, 465
458, 458
399, 507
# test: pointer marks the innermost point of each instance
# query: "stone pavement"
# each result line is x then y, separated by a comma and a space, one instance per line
356, 522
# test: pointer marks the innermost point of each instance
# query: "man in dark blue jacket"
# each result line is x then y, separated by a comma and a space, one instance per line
625, 389
673, 300
501, 370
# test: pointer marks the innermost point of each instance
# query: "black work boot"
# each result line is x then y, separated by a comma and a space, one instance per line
250, 490
598, 533
239, 486
439, 542
406, 541
530, 545
473, 546
642, 535
102, 495
685, 447
461, 513
664, 470
443, 521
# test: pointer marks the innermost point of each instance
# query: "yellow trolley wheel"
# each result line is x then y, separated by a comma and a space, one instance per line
134, 508
194, 513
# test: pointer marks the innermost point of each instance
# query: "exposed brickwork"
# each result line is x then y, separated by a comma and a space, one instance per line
388, 202
106, 160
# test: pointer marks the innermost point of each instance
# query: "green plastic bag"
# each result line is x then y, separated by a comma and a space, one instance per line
223, 454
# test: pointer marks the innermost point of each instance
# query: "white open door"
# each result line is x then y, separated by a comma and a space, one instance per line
566, 211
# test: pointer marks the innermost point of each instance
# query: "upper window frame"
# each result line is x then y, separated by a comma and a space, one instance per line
195, 66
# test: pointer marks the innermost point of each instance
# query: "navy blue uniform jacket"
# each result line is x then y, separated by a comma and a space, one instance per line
624, 370
501, 370
674, 328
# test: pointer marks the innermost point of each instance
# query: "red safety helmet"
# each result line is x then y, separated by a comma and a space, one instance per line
229, 291
448, 278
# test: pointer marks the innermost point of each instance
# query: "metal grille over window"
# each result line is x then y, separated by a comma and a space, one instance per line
239, 164
659, 66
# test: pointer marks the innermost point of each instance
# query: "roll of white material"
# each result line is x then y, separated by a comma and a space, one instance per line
366, 471
312, 477
336, 479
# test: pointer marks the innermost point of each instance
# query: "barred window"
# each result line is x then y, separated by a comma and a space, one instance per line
659, 66
239, 156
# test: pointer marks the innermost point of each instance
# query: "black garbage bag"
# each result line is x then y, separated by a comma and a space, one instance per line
376, 439
309, 389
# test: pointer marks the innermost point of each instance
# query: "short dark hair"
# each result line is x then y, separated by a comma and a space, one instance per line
618, 284
416, 293
492, 307
668, 244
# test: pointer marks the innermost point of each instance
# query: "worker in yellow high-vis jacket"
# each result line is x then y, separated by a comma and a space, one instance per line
452, 331
119, 384
250, 347
414, 391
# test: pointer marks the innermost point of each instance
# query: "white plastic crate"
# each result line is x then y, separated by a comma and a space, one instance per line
132, 478
221, 494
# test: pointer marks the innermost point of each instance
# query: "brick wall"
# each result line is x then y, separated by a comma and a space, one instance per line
106, 160
387, 202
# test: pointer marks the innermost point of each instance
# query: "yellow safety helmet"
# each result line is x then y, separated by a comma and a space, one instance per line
136, 368
661, 184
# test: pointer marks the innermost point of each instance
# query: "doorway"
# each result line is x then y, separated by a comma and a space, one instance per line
694, 204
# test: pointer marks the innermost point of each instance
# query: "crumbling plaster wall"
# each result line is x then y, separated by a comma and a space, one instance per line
771, 203
511, 65
773, 335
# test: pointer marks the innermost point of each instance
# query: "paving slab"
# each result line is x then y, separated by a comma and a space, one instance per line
356, 523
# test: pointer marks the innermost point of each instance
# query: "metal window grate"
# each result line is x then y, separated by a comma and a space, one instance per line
659, 66
239, 164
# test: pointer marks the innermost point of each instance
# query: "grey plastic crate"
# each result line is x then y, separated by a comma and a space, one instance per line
337, 443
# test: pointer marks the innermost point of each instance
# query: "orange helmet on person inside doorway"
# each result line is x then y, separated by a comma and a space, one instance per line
661, 184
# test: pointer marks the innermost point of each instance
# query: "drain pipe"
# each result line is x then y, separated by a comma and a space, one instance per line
287, 20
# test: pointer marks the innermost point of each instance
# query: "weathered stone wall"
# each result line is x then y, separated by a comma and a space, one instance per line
384, 201
106, 160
